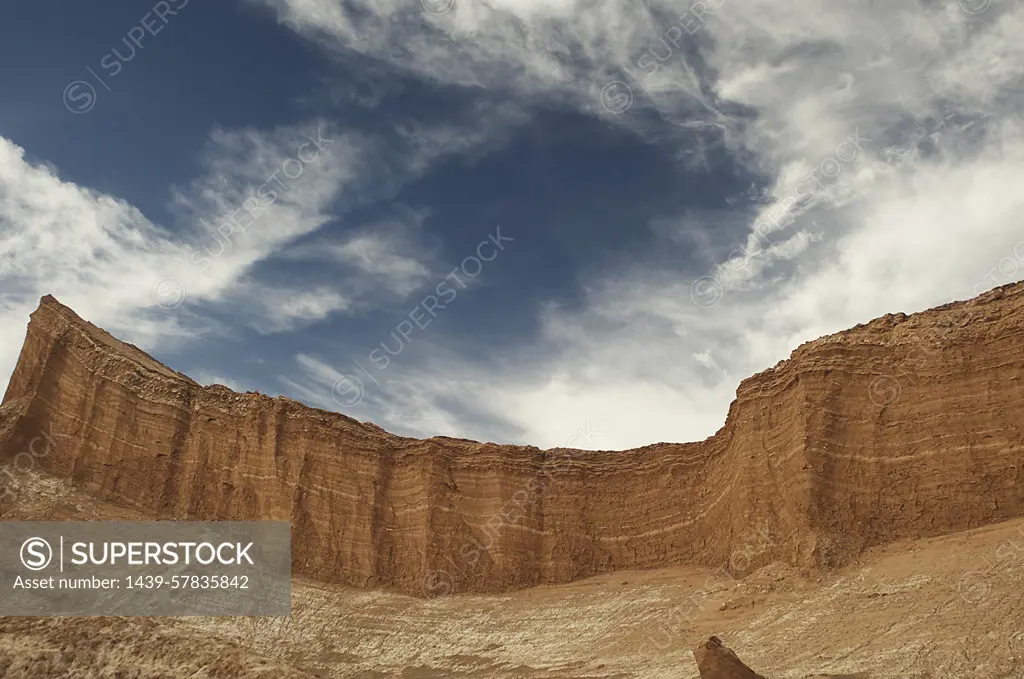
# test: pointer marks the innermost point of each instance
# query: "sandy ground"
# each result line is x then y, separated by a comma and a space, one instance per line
942, 607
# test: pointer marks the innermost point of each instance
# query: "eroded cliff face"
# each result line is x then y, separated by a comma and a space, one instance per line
904, 427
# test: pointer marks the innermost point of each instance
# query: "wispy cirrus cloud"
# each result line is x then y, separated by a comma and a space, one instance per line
909, 215
160, 285
106, 259
390, 256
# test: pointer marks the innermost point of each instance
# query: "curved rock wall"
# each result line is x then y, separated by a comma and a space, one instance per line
904, 427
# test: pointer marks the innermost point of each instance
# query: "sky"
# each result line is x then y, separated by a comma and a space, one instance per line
547, 222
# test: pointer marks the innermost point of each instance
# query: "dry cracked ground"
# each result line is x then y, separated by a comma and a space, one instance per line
942, 607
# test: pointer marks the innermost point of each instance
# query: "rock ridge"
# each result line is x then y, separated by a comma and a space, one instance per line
904, 427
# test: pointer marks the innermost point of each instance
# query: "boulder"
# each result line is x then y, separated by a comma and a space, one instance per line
717, 661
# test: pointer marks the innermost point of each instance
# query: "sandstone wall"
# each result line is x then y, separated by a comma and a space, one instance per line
905, 427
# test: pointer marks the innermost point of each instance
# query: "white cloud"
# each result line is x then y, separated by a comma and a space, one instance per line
92, 251
154, 287
809, 74
109, 262
274, 309
388, 257
293, 199
371, 254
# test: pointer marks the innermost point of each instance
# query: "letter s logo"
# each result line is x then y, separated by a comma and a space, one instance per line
36, 554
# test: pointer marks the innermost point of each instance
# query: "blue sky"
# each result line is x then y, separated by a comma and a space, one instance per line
504, 220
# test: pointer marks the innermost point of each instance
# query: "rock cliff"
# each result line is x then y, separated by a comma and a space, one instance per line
908, 426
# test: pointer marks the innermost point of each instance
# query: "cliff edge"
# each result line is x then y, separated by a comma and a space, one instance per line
906, 427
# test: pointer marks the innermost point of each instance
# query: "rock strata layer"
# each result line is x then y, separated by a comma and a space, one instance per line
905, 427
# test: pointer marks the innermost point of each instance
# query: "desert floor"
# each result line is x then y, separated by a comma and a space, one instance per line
948, 606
